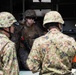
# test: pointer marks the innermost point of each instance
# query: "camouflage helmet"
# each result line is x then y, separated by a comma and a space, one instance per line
29, 13
52, 16
6, 19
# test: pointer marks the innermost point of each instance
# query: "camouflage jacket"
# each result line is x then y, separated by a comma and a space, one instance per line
52, 54
8, 59
31, 33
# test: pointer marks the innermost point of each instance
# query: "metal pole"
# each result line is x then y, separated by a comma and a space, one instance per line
23, 9
23, 6
57, 7
11, 6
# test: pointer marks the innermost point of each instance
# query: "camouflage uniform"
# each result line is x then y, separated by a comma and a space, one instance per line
8, 59
29, 33
52, 53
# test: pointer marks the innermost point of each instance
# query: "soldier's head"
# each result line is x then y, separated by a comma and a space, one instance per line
29, 16
53, 18
7, 21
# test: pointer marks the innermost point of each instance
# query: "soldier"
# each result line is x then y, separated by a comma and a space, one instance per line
8, 59
52, 53
31, 29
30, 32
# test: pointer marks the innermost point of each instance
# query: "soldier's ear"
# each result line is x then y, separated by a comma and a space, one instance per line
6, 29
60, 26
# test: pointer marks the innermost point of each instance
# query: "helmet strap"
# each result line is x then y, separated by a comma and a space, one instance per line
8, 32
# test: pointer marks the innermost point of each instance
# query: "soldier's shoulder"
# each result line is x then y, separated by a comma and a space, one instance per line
41, 39
4, 41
